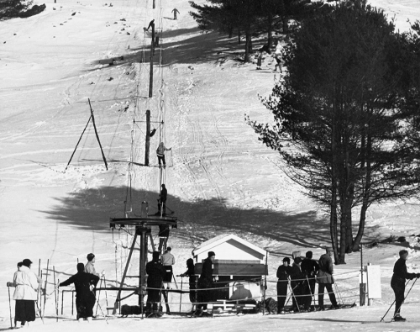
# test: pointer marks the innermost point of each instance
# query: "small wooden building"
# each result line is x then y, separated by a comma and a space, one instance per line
237, 260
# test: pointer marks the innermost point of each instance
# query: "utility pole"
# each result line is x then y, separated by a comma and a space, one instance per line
152, 51
147, 149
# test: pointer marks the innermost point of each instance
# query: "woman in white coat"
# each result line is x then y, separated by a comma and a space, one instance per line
26, 283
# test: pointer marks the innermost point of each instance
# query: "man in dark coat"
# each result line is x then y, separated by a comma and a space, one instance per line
155, 273
309, 268
283, 274
162, 199
85, 298
297, 281
325, 279
398, 283
206, 281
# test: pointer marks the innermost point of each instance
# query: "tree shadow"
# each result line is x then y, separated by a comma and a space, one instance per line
92, 209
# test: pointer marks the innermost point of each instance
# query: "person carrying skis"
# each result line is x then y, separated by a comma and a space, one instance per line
283, 274
160, 152
85, 298
155, 274
325, 279
309, 268
398, 283
175, 11
205, 281
26, 283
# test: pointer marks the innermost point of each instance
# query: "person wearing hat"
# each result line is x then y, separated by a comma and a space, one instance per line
206, 281
325, 279
297, 281
283, 273
155, 274
167, 261
241, 293
85, 298
90, 265
26, 283
309, 268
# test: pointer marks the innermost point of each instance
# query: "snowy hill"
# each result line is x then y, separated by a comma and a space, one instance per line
220, 179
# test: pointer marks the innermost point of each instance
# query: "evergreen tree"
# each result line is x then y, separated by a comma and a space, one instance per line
343, 111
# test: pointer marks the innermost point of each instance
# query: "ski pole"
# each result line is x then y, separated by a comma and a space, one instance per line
310, 290
10, 306
180, 297
407, 294
382, 319
57, 299
39, 311
99, 294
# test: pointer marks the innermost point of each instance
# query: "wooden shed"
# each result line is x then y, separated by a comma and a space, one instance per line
236, 260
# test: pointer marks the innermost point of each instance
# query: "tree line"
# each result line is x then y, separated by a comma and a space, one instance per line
347, 116
246, 18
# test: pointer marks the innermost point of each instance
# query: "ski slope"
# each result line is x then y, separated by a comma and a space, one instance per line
222, 179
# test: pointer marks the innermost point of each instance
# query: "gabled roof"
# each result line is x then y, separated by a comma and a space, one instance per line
214, 242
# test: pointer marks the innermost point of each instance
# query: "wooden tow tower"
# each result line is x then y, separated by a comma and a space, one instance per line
143, 231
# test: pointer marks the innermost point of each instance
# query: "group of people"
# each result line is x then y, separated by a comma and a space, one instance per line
303, 274
27, 284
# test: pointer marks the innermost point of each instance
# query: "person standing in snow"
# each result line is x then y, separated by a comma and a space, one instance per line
155, 274
309, 268
192, 279
283, 273
325, 279
160, 152
85, 298
168, 260
398, 283
277, 56
297, 282
175, 11
90, 265
26, 283
206, 282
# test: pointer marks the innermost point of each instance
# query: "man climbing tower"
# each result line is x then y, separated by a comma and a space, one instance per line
160, 152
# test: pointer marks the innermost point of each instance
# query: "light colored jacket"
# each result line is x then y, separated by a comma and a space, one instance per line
160, 151
26, 283
90, 268
168, 259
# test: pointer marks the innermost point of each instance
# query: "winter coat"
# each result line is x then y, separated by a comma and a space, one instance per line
325, 270
164, 230
90, 268
241, 293
26, 283
168, 259
206, 277
191, 274
283, 272
82, 282
309, 267
163, 195
296, 275
160, 151
400, 270
155, 273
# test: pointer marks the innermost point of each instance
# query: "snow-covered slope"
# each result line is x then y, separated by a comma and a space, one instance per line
221, 179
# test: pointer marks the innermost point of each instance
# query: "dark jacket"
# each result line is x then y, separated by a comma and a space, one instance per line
164, 230
206, 277
155, 273
296, 275
326, 270
309, 267
82, 281
163, 194
283, 272
191, 274
400, 270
